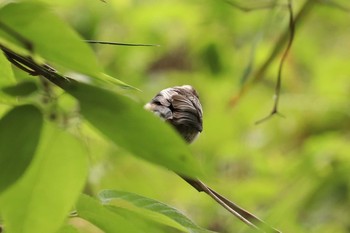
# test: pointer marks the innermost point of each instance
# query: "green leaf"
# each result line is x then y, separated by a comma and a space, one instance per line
144, 222
20, 131
48, 36
42, 198
113, 219
111, 80
127, 124
108, 221
21, 89
151, 209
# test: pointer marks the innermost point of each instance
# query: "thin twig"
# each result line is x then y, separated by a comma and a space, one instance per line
274, 110
37, 69
237, 211
260, 72
201, 187
118, 43
19, 65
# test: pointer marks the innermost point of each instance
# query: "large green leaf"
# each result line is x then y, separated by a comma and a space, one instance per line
37, 33
20, 131
92, 211
130, 126
151, 209
42, 198
48, 35
114, 219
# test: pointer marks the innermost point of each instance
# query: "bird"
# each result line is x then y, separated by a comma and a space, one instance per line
180, 107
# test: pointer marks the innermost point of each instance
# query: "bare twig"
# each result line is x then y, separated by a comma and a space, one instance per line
118, 43
260, 72
243, 215
36, 69
201, 187
274, 110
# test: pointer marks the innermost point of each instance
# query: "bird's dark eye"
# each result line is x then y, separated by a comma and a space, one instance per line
171, 107
156, 102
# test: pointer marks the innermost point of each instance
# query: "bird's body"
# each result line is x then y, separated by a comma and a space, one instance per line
180, 107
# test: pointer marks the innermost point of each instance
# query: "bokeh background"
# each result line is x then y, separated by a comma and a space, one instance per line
291, 171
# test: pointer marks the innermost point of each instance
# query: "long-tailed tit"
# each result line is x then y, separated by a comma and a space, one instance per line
180, 107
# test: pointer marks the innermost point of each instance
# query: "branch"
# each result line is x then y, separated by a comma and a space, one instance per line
243, 215
274, 110
260, 72
118, 43
28, 65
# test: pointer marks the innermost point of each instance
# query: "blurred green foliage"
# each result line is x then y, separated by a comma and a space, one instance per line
292, 172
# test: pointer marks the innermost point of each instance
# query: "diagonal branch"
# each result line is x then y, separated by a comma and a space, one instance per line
274, 110
260, 72
28, 65
118, 43
243, 215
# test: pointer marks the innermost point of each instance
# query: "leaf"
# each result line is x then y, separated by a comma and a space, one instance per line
111, 80
21, 89
127, 124
158, 209
42, 198
53, 41
145, 217
92, 211
113, 219
144, 222
20, 131
48, 36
